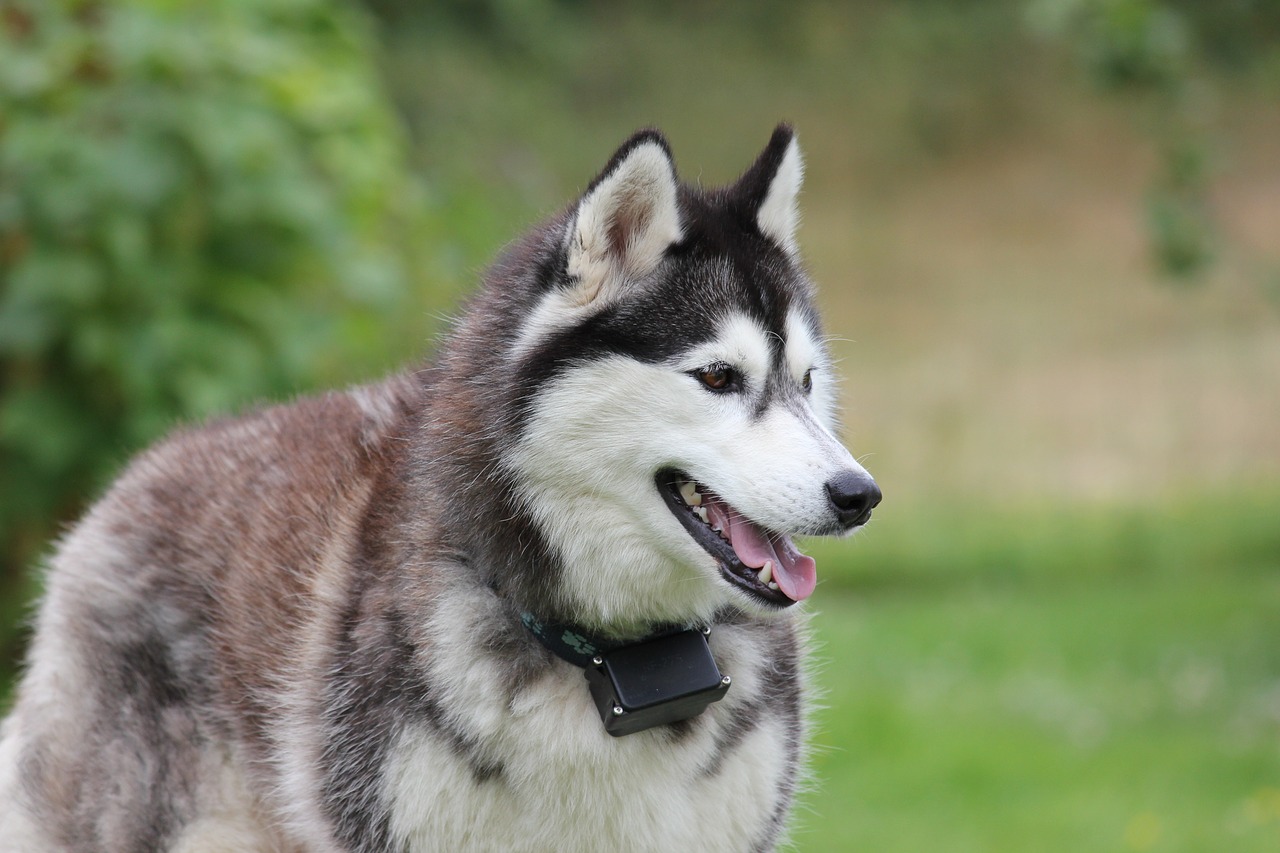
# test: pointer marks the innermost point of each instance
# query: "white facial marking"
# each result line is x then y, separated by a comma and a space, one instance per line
600, 432
586, 466
805, 352
741, 343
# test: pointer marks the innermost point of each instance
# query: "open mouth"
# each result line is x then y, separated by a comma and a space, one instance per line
762, 563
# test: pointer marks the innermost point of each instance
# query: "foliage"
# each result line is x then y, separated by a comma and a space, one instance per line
200, 203
923, 77
1159, 52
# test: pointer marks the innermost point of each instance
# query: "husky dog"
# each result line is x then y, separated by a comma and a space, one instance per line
324, 626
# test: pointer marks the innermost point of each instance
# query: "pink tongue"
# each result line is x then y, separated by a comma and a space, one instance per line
795, 573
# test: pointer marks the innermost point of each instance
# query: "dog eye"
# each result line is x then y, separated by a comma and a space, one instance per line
807, 382
719, 377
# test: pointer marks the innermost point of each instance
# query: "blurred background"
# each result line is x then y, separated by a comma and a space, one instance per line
1047, 234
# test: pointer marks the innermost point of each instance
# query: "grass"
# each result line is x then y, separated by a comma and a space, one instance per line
1041, 691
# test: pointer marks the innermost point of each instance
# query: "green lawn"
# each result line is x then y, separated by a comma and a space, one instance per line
1130, 703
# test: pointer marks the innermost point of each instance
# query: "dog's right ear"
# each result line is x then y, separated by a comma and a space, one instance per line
626, 219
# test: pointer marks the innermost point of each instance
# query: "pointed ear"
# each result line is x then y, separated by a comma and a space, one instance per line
771, 185
626, 220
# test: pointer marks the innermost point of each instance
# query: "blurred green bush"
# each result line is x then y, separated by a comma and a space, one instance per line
200, 204
1160, 54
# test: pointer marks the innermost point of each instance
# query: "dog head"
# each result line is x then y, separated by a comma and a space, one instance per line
677, 398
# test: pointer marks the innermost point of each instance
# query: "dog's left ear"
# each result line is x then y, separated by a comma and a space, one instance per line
771, 185
626, 220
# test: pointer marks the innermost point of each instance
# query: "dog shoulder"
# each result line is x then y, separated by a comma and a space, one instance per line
289, 462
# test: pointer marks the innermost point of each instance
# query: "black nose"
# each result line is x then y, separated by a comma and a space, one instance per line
853, 495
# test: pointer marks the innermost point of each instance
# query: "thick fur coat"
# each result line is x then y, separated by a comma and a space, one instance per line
301, 629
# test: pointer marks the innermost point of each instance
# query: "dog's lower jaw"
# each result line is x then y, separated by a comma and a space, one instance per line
756, 586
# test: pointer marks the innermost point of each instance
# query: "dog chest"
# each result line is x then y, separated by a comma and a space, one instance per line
547, 776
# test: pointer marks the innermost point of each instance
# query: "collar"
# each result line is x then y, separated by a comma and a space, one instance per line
663, 678
578, 646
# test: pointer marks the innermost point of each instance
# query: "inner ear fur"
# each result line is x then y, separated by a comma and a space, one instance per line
626, 220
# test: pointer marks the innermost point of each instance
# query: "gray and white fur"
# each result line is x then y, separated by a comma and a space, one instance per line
300, 629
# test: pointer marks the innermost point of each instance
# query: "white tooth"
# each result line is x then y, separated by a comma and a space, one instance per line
689, 491
772, 585
701, 513
766, 572
696, 498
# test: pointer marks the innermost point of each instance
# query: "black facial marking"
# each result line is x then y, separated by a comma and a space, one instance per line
721, 270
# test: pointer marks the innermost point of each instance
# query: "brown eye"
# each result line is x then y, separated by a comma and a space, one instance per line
719, 377
807, 382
